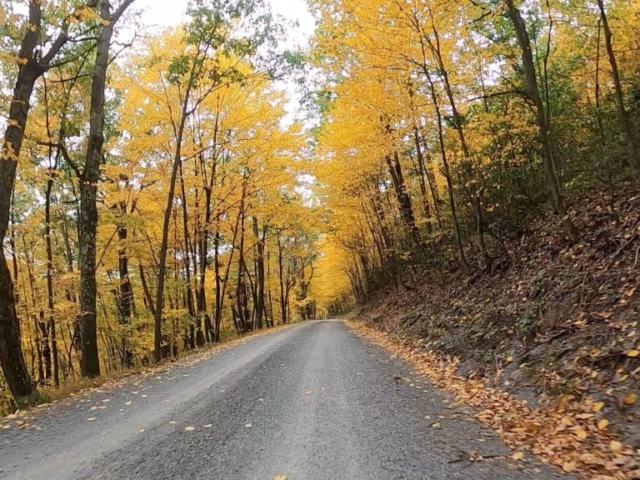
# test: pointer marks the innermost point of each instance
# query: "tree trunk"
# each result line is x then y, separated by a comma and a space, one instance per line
11, 356
164, 246
50, 304
88, 219
531, 85
283, 301
404, 199
623, 114
447, 171
125, 290
189, 289
260, 278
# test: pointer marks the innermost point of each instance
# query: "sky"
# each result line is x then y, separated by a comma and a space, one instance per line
169, 12
166, 13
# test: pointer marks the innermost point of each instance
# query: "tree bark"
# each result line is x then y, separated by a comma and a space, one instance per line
623, 114
260, 278
88, 218
11, 355
404, 199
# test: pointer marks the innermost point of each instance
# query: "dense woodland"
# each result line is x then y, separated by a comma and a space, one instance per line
155, 195
447, 124
152, 196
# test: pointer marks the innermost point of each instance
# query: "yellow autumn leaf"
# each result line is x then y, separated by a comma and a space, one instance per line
581, 434
603, 423
517, 456
569, 467
566, 421
598, 406
630, 399
633, 353
615, 446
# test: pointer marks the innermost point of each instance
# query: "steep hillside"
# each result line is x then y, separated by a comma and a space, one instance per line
556, 325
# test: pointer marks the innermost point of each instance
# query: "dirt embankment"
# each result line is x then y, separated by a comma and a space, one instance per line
558, 326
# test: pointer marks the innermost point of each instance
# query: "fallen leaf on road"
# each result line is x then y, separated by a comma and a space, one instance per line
128, 403
567, 434
248, 425
630, 399
518, 456
142, 430
189, 429
208, 425
633, 353
280, 477
602, 424
91, 419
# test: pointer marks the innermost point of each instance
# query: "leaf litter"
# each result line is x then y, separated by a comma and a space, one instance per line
568, 435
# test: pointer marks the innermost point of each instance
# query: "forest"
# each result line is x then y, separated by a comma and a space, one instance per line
157, 195
153, 196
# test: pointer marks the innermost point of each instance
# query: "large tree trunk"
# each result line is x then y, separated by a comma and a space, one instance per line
11, 356
88, 219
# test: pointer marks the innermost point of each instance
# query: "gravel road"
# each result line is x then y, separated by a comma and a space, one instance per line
313, 401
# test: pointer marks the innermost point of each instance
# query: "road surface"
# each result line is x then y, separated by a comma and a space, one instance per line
310, 402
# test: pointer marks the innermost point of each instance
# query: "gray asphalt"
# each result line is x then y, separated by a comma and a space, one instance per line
311, 402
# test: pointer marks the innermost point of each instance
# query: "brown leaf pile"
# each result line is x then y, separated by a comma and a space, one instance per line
571, 435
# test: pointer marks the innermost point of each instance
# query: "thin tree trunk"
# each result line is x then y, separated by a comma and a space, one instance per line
447, 171
189, 289
260, 277
50, 303
283, 300
404, 199
623, 115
